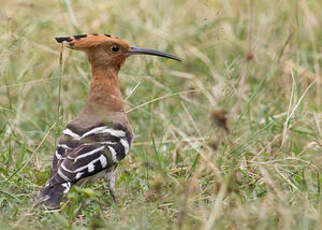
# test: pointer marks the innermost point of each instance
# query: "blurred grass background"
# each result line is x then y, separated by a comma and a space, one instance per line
228, 139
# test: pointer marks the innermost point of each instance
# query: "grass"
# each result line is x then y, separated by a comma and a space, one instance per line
250, 67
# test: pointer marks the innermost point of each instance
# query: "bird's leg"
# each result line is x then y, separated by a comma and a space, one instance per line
111, 184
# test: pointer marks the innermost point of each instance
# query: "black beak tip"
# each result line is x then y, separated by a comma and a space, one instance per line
145, 51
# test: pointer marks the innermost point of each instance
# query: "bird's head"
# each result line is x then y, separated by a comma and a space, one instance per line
107, 50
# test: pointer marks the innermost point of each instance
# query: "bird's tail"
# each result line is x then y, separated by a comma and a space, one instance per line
52, 195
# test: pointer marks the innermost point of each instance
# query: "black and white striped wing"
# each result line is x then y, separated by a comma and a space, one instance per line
84, 161
80, 155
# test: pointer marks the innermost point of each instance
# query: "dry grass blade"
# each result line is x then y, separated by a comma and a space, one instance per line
159, 99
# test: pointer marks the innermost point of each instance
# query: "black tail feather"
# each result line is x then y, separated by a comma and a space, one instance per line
51, 196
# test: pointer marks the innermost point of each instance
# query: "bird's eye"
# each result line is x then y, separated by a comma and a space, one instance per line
115, 48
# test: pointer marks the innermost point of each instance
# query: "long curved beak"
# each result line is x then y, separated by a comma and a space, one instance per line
137, 50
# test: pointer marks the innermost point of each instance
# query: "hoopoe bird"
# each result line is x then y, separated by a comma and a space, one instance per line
100, 136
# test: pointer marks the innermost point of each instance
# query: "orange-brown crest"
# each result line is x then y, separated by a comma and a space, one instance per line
102, 49
84, 41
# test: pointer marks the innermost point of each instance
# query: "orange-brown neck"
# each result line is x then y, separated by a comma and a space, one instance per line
105, 95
